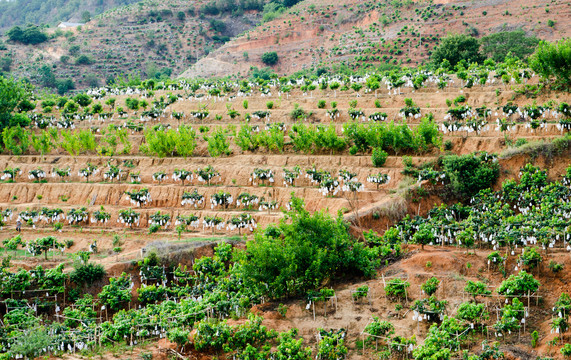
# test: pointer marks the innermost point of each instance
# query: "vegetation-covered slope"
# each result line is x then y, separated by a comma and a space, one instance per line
50, 12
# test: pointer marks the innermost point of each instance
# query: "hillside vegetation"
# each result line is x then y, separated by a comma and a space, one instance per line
50, 12
408, 213
363, 207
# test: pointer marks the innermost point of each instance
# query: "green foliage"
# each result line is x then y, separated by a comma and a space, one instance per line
178, 335
455, 48
87, 274
361, 292
31, 35
530, 257
270, 58
471, 173
117, 292
16, 140
396, 288
379, 328
423, 236
43, 245
311, 249
171, 142
553, 61
430, 286
32, 342
332, 345
511, 316
498, 45
476, 288
379, 157
472, 312
218, 143
393, 137
519, 285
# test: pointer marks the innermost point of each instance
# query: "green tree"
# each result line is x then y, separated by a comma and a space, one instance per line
43, 245
455, 48
117, 292
312, 249
553, 61
11, 94
270, 58
498, 45
471, 173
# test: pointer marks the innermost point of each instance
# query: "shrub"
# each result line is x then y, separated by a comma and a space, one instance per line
430, 286
379, 157
321, 104
87, 274
327, 249
270, 58
396, 288
498, 45
455, 48
270, 104
470, 173
551, 60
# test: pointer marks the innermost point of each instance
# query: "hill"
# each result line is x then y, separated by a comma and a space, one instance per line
318, 33
146, 181
50, 12
147, 39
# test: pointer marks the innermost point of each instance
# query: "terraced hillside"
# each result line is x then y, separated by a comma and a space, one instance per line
356, 34
97, 179
145, 39
130, 169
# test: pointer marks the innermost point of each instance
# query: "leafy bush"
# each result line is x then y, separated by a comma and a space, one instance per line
551, 60
519, 285
497, 46
396, 288
87, 274
117, 292
317, 242
270, 58
430, 286
471, 173
218, 143
455, 48
379, 157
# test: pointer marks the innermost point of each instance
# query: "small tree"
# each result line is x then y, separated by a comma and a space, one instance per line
182, 175
139, 197
378, 179
551, 61
76, 216
221, 198
37, 174
11, 173
206, 174
113, 173
476, 288
430, 286
88, 171
43, 245
291, 175
192, 198
129, 217
160, 176
62, 173
455, 48
423, 236
117, 292
396, 288
270, 58
379, 157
